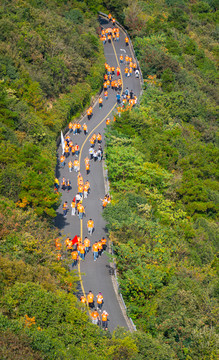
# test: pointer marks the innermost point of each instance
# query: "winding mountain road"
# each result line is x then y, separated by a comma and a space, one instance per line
96, 276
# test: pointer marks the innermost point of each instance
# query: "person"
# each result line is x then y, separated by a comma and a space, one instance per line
70, 127
83, 299
81, 211
78, 198
126, 40
76, 150
106, 95
62, 160
117, 71
87, 167
73, 204
99, 301
58, 244
76, 165
90, 299
100, 103
74, 256
56, 185
68, 244
85, 129
109, 17
65, 208
90, 226
131, 94
107, 121
100, 247
105, 320
63, 183
104, 241
68, 184
121, 59
118, 97
126, 91
95, 250
91, 152
137, 73
80, 189
82, 251
95, 155
99, 155
126, 71
86, 244
86, 188
95, 317
99, 138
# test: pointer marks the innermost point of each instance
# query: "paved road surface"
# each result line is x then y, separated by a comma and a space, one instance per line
95, 275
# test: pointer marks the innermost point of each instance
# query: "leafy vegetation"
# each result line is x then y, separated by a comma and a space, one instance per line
162, 160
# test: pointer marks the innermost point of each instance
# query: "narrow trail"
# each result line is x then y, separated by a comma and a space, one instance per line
96, 276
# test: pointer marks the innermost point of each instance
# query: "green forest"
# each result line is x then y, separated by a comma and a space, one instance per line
162, 160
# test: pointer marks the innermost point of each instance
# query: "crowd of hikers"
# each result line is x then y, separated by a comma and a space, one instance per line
126, 99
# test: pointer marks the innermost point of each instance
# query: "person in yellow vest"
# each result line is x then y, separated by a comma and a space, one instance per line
105, 320
65, 208
99, 301
95, 248
90, 299
100, 103
95, 317
74, 256
70, 166
63, 183
86, 244
56, 185
68, 184
85, 129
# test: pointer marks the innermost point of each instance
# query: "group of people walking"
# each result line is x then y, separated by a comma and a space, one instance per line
70, 157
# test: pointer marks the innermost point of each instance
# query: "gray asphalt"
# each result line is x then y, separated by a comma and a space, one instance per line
95, 275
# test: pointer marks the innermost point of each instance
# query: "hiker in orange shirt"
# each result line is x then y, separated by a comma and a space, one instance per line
87, 167
62, 160
76, 150
104, 241
130, 71
76, 165
113, 21
81, 212
99, 301
90, 299
70, 166
104, 202
66, 151
100, 103
117, 71
86, 244
99, 138
74, 256
100, 247
68, 244
70, 127
126, 71
109, 17
126, 41
92, 141
95, 317
72, 150
78, 127
109, 38
86, 188
82, 251
113, 70
106, 95
121, 59
105, 320
85, 129
95, 250
107, 121
80, 190
90, 226
83, 299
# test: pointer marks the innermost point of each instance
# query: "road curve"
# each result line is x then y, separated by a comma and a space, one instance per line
95, 276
